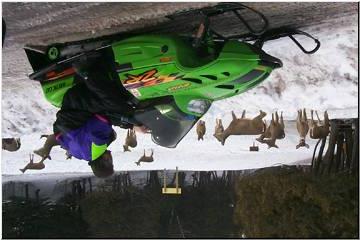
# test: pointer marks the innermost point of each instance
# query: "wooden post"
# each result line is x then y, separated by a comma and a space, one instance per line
164, 173
313, 161
332, 142
177, 180
339, 151
319, 159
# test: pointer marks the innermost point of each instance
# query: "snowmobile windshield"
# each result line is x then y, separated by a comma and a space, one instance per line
167, 123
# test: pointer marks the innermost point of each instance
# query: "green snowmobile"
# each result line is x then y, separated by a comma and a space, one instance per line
173, 79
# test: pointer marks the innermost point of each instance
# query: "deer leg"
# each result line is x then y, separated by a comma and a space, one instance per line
276, 117
233, 115
317, 115
304, 115
50, 142
282, 120
326, 119
312, 118
31, 158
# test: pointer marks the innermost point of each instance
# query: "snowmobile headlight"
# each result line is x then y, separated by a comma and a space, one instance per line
199, 106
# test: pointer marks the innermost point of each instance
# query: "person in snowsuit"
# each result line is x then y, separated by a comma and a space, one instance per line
83, 125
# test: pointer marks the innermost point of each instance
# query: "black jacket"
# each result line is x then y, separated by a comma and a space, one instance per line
97, 90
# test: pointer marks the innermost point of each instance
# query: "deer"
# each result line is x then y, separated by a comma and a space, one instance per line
34, 166
219, 128
145, 158
276, 130
280, 133
45, 150
200, 130
130, 140
243, 126
11, 144
316, 131
302, 127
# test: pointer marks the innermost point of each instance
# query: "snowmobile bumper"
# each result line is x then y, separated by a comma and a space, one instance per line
269, 61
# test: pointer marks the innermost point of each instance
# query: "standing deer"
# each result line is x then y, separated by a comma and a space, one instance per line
200, 130
316, 131
11, 144
130, 140
243, 126
145, 158
35, 166
276, 130
302, 127
219, 128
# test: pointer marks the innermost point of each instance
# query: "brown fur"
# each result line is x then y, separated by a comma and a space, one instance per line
145, 158
200, 130
302, 127
243, 126
130, 140
219, 128
319, 131
34, 166
276, 130
11, 144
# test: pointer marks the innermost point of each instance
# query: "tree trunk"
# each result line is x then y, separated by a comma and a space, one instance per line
339, 151
332, 142
355, 150
319, 159
313, 161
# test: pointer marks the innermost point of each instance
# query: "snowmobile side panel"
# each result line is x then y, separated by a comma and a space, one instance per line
167, 65
54, 91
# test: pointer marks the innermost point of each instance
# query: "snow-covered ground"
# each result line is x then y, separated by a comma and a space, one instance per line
190, 154
326, 80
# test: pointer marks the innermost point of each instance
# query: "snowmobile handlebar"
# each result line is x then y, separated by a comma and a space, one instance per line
219, 9
286, 32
